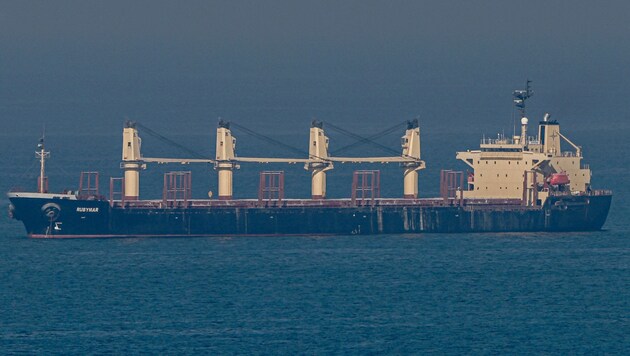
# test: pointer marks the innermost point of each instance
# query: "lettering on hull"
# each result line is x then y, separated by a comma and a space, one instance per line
87, 210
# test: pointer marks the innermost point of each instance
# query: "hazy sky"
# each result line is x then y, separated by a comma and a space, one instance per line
179, 64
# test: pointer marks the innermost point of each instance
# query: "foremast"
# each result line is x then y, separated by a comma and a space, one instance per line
42, 154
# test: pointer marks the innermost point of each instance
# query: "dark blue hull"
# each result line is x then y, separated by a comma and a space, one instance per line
59, 218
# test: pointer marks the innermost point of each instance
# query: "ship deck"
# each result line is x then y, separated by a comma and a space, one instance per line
330, 203
338, 203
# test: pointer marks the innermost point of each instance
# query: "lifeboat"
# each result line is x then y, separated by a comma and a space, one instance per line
559, 179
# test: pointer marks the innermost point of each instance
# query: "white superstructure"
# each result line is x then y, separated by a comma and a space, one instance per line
521, 167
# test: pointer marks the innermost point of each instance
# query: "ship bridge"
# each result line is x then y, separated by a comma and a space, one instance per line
522, 166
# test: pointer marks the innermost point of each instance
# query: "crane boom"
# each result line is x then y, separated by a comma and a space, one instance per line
318, 161
394, 159
162, 160
272, 160
177, 160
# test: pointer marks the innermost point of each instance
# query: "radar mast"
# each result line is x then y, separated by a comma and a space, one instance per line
520, 96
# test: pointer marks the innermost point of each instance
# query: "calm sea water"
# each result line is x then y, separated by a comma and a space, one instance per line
469, 293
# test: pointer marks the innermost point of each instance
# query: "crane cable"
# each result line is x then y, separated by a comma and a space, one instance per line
369, 139
362, 139
268, 139
171, 142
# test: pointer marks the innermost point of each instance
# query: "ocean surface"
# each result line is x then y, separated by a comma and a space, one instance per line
565, 293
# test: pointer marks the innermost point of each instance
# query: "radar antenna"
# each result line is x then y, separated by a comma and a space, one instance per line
520, 96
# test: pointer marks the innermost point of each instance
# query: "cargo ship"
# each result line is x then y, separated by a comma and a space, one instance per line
514, 184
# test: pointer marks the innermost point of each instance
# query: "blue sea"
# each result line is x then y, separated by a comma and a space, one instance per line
564, 293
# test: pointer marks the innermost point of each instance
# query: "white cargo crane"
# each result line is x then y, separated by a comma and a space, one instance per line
322, 161
226, 159
132, 161
318, 162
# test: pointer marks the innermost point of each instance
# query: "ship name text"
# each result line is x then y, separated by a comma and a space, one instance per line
87, 210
